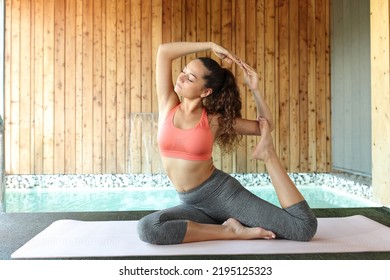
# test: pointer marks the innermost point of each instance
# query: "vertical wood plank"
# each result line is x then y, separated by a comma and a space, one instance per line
79, 87
303, 86
7, 85
111, 89
15, 85
294, 86
104, 84
128, 85
97, 86
146, 50
135, 91
87, 86
120, 82
32, 88
38, 87
70, 88
328, 121
321, 101
59, 87
311, 25
48, 87
166, 25
146, 81
190, 25
157, 38
12, 124
25, 90
284, 84
202, 17
277, 82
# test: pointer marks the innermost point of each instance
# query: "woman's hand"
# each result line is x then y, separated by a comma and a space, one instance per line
224, 54
250, 76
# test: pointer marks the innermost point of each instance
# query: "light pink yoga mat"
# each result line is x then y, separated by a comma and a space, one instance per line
76, 239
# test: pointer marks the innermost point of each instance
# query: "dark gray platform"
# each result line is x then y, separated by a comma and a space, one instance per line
18, 228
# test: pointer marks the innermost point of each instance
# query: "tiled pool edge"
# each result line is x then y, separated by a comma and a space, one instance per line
348, 184
351, 184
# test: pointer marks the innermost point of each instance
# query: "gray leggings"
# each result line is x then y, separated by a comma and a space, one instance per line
222, 197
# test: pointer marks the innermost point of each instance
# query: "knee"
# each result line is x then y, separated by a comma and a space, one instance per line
155, 229
313, 228
146, 229
307, 230
305, 223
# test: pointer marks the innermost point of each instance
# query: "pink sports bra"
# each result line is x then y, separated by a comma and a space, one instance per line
190, 144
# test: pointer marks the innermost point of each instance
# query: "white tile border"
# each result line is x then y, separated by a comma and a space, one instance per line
350, 185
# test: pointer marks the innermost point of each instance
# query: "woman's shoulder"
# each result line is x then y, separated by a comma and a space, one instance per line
214, 123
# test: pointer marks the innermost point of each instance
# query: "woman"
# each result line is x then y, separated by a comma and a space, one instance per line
203, 107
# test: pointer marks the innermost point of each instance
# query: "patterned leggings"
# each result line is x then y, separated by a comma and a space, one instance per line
222, 197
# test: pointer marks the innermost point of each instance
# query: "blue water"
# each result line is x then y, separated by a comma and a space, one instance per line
133, 199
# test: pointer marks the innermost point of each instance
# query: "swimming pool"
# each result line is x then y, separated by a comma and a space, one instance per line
142, 192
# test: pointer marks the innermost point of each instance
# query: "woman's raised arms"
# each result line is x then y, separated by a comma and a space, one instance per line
167, 98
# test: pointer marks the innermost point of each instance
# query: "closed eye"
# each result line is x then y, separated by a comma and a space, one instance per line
182, 71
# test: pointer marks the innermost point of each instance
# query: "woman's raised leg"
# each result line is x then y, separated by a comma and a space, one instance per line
287, 192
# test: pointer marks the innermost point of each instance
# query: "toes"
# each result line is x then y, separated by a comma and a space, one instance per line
271, 235
268, 234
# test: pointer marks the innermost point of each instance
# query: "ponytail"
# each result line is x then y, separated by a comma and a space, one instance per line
225, 101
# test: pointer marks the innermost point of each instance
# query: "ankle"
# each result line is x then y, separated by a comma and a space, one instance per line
269, 155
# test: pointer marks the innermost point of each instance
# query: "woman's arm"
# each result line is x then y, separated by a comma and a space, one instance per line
165, 56
252, 81
246, 127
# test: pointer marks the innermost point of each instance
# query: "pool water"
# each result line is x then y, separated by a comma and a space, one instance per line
153, 198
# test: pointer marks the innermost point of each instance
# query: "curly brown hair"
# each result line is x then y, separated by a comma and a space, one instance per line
224, 101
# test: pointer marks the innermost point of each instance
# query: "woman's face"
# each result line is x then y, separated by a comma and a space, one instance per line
190, 82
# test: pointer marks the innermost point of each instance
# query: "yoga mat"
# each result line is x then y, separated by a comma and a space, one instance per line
76, 239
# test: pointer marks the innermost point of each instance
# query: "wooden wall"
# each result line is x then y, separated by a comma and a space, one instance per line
78, 71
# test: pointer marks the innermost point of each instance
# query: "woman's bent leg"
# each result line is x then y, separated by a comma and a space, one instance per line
169, 226
183, 224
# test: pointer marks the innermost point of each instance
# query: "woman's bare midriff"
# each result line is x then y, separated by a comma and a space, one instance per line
186, 174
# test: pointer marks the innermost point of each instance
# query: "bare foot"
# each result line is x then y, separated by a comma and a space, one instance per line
246, 233
265, 148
